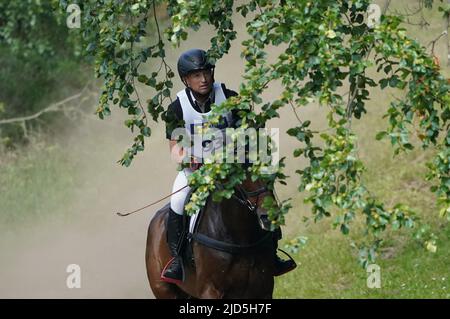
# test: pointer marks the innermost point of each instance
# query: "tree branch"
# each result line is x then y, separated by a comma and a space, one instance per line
433, 42
51, 108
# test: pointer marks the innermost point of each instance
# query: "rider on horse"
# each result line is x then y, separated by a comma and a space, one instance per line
191, 106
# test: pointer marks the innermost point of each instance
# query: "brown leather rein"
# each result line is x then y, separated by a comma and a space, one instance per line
151, 204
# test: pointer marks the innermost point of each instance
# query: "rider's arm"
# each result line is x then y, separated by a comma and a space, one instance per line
174, 119
177, 152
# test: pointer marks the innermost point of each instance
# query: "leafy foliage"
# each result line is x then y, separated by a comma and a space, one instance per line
328, 46
328, 50
39, 59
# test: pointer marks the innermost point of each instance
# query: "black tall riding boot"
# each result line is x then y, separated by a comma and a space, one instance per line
281, 266
174, 272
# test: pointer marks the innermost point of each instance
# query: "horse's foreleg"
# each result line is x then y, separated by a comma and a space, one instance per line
164, 290
210, 292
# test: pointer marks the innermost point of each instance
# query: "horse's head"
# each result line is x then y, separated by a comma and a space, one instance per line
252, 194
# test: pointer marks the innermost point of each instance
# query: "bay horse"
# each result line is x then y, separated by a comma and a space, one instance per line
233, 254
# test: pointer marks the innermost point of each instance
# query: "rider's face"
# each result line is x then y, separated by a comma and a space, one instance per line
200, 81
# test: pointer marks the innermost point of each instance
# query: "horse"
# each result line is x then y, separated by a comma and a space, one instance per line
233, 254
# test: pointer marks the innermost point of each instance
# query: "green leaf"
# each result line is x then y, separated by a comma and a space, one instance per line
393, 81
166, 92
408, 146
292, 131
142, 78
383, 83
344, 229
380, 135
146, 131
298, 152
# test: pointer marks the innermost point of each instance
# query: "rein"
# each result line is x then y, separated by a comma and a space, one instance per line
229, 247
151, 204
244, 201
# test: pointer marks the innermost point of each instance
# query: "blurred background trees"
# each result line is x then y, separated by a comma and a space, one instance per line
41, 62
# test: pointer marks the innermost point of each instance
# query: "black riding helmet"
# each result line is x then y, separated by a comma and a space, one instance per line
193, 60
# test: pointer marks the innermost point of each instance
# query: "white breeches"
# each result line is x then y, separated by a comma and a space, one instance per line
177, 200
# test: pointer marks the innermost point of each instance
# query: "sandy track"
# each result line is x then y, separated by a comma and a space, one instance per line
108, 248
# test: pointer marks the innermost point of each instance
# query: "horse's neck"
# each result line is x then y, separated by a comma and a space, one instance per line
231, 221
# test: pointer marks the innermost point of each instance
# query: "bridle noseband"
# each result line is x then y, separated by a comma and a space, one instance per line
245, 196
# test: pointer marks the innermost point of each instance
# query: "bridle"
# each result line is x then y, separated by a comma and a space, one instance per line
245, 196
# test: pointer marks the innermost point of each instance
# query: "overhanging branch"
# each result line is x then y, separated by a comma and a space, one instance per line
55, 107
